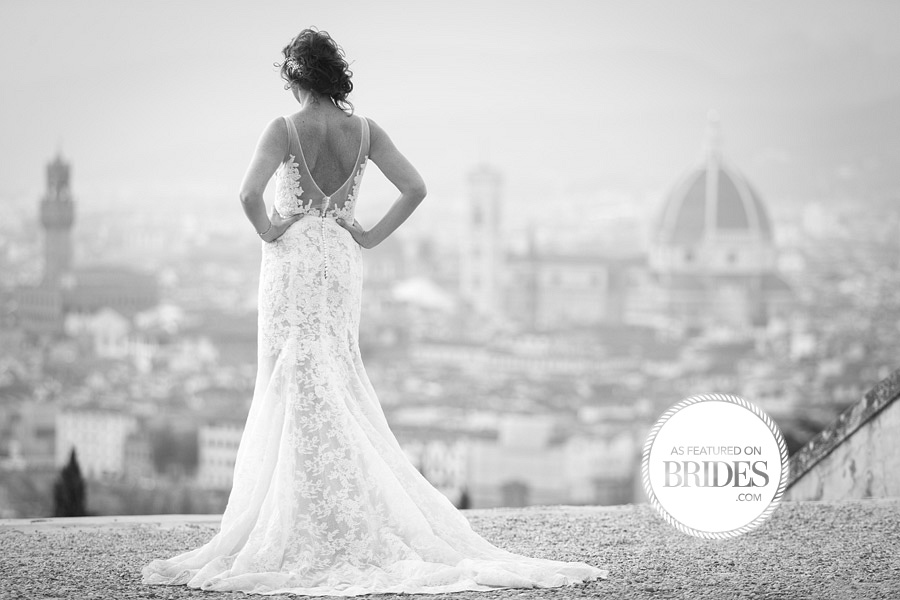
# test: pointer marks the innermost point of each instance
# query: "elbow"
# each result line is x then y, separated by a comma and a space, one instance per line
417, 193
247, 197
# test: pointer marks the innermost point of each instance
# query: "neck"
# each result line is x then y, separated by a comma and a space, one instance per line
313, 101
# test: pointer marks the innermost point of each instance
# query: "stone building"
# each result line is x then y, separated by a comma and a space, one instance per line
547, 290
712, 258
65, 289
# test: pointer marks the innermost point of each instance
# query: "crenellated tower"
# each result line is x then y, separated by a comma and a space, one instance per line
57, 218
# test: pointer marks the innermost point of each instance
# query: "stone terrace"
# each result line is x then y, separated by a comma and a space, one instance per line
819, 550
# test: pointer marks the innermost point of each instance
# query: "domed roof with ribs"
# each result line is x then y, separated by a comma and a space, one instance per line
712, 199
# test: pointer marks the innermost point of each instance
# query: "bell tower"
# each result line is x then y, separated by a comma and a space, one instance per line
57, 218
482, 252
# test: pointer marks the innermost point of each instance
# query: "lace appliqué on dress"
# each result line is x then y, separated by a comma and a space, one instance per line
288, 201
287, 189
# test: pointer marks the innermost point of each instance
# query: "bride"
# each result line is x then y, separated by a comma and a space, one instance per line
324, 500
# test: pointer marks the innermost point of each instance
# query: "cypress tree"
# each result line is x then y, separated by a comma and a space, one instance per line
464, 500
69, 490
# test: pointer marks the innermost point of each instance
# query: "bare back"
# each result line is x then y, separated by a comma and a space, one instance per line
329, 143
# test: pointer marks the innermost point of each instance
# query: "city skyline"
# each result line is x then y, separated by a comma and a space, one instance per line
461, 340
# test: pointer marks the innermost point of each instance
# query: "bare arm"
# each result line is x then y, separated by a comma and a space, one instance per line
270, 151
403, 175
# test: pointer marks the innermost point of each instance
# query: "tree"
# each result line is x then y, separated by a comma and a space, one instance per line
69, 490
464, 500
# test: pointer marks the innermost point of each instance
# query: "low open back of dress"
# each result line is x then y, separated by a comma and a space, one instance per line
299, 192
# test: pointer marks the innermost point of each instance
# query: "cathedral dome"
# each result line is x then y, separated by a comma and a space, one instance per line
713, 200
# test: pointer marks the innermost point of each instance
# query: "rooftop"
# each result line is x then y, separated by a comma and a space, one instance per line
713, 198
696, 209
804, 550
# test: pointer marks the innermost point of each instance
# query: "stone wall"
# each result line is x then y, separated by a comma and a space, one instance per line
858, 456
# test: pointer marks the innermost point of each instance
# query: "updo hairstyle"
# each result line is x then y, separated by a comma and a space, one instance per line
315, 62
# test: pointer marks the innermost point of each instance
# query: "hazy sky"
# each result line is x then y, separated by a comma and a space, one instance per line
161, 100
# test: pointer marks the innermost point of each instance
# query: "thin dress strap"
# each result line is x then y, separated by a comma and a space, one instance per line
367, 141
290, 129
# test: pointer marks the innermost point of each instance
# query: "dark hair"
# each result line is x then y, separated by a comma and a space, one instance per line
318, 65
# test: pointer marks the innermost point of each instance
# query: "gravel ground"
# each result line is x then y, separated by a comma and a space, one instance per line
821, 550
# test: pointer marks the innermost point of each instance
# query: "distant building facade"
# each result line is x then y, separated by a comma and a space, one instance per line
217, 445
539, 289
532, 461
138, 456
31, 444
99, 437
476, 358
546, 290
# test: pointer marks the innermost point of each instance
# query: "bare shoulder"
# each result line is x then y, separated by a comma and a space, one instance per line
275, 133
379, 140
392, 163
374, 128
276, 126
275, 137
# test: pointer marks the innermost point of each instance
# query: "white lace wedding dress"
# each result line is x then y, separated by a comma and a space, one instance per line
324, 500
